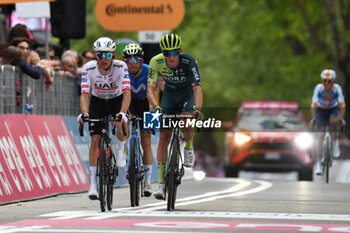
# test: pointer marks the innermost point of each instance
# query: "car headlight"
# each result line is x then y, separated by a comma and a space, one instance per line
304, 141
241, 138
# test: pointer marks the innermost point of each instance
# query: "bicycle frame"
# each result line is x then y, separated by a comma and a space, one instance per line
327, 152
135, 164
174, 170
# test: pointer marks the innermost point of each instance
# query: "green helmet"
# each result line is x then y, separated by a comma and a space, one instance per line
170, 42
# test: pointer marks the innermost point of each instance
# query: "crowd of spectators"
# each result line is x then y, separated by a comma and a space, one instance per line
21, 49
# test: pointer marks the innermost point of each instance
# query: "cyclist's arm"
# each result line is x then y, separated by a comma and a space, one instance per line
126, 101
313, 109
84, 103
152, 83
342, 110
198, 97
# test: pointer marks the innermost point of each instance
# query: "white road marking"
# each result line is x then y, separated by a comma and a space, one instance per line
52, 230
157, 205
344, 172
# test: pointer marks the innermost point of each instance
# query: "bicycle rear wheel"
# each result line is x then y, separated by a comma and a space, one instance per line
172, 179
133, 174
102, 175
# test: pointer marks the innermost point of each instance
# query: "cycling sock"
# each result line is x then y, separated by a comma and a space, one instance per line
120, 145
161, 171
93, 175
148, 172
189, 144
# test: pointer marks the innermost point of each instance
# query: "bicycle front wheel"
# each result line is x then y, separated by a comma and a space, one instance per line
172, 184
327, 158
110, 181
103, 174
133, 174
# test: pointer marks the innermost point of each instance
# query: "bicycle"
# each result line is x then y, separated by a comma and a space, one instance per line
107, 170
174, 169
135, 172
327, 152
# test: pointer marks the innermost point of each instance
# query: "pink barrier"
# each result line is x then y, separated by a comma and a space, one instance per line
37, 158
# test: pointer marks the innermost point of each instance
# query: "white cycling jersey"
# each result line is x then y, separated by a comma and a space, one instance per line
105, 86
328, 99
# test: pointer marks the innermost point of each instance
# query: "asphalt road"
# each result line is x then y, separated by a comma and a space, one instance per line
209, 205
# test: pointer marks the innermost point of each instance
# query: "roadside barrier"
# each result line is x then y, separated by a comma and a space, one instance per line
37, 158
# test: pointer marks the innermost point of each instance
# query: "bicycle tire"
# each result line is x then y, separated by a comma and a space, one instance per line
172, 184
133, 172
110, 180
102, 175
327, 158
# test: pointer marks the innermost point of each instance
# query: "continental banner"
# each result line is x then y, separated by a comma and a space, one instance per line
37, 158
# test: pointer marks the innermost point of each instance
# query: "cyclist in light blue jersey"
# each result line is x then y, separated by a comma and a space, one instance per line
328, 108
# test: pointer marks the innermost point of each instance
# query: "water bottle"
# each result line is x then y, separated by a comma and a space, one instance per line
28, 109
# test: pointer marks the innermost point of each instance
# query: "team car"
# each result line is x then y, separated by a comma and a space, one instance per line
270, 136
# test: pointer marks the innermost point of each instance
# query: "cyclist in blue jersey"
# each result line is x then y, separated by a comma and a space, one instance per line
133, 56
327, 108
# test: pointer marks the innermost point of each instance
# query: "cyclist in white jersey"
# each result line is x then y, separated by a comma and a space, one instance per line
327, 108
109, 82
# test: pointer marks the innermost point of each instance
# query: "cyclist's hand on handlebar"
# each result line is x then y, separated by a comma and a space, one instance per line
198, 114
158, 108
334, 120
124, 117
83, 117
312, 123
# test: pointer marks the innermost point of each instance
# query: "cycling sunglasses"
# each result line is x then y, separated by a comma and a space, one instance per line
168, 53
329, 81
104, 55
130, 60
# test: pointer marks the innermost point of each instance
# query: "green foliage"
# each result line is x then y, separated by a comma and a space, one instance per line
248, 49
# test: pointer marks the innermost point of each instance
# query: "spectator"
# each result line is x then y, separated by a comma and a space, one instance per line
11, 56
19, 30
69, 65
88, 55
29, 63
42, 52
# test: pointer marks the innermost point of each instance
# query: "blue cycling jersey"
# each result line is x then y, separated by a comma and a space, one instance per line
139, 84
325, 99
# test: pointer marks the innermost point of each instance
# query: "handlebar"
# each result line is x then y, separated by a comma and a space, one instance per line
86, 119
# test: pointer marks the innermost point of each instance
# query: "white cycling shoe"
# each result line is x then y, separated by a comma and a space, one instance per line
147, 190
160, 192
318, 169
189, 158
336, 149
120, 158
92, 194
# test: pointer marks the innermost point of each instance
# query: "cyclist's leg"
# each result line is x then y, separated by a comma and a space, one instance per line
96, 111
115, 106
147, 161
322, 118
188, 107
334, 123
169, 105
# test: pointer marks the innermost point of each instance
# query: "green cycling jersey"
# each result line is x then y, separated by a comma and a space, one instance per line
184, 76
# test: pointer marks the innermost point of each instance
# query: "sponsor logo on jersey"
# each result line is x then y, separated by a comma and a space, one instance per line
118, 66
195, 73
91, 68
185, 61
175, 79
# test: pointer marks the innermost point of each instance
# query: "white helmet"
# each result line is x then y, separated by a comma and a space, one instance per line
328, 74
104, 44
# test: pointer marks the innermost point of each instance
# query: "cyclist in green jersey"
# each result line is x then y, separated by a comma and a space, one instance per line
182, 91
